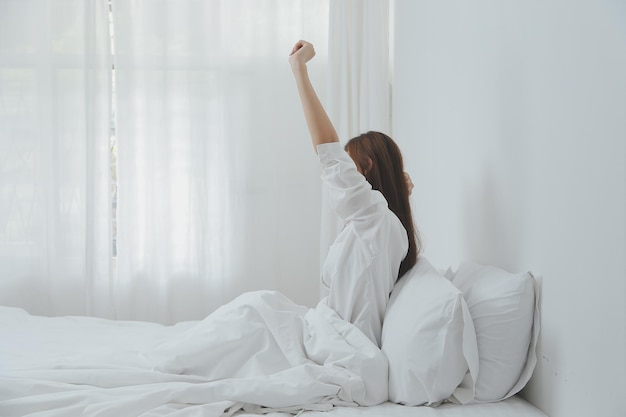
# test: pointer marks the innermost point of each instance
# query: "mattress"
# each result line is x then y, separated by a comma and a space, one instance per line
513, 407
86, 366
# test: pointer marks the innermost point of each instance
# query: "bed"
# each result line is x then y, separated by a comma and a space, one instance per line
454, 343
511, 407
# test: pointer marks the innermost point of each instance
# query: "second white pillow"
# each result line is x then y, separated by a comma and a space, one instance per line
505, 310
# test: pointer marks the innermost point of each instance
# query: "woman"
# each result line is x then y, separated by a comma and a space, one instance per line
260, 352
369, 190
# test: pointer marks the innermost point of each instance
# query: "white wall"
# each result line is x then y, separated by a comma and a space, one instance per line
512, 118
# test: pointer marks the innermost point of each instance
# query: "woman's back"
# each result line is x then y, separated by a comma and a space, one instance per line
363, 262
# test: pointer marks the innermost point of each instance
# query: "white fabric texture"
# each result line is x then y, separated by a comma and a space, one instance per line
208, 127
260, 349
363, 262
359, 64
55, 70
218, 192
429, 340
306, 359
513, 407
505, 310
210, 140
47, 358
359, 82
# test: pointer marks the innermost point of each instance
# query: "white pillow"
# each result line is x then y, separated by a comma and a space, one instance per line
429, 340
505, 310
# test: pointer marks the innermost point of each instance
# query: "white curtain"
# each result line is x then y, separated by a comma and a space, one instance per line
359, 64
359, 79
54, 150
218, 188
218, 183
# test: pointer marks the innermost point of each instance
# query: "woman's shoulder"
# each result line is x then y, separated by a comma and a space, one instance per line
330, 147
333, 152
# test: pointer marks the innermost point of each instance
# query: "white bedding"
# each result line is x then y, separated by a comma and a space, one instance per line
512, 407
270, 351
259, 349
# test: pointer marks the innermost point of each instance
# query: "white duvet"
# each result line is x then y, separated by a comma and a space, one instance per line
259, 353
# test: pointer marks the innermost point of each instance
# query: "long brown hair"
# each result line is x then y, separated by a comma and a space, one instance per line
379, 159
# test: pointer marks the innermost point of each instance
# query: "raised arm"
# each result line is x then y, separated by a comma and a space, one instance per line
318, 122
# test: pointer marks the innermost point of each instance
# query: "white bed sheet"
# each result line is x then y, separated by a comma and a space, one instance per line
65, 366
259, 349
512, 407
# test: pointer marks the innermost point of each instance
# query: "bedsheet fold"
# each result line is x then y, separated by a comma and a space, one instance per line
259, 353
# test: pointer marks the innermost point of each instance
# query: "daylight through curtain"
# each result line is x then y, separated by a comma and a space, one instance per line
54, 156
216, 187
218, 183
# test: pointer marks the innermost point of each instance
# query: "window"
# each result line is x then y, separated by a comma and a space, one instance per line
113, 140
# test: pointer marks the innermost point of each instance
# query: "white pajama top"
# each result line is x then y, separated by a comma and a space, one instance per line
363, 262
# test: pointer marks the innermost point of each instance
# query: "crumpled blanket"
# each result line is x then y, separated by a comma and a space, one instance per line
257, 354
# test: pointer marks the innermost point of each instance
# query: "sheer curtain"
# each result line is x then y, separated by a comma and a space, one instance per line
359, 67
54, 135
359, 62
218, 184
218, 187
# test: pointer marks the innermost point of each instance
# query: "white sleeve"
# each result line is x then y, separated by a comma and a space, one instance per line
351, 196
362, 264
358, 294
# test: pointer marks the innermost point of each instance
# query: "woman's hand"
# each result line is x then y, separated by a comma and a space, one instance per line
301, 53
318, 122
